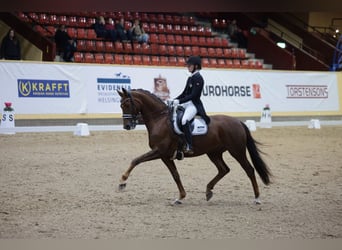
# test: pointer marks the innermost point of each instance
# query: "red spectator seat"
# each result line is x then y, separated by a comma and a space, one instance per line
173, 61
211, 52
177, 29
193, 30
185, 29
195, 50
244, 64
178, 39
81, 33
219, 52
205, 62
89, 58
202, 41
90, 45
236, 63
213, 62
109, 47
99, 58
229, 63
162, 49
145, 49
221, 63
78, 57
181, 61
137, 60
63, 20
155, 49
128, 59
187, 50
118, 46
168, 28
153, 28
225, 42
203, 51
137, 48
217, 41
171, 50
179, 50
154, 38
170, 39
194, 40
155, 60
162, 38
210, 41
100, 46
72, 32
91, 34
187, 40
164, 61
108, 58
119, 59
146, 60
81, 45
227, 53
128, 47
82, 21
72, 21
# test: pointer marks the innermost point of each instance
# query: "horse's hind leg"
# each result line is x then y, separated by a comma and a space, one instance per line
222, 168
251, 175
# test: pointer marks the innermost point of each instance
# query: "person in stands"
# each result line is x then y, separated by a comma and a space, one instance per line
138, 32
10, 47
61, 39
123, 34
236, 34
190, 99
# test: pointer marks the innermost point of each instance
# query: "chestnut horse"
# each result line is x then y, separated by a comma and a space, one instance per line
224, 133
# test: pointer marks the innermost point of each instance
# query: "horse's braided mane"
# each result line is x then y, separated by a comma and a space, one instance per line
150, 94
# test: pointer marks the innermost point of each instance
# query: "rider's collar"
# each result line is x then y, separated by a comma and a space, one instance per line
195, 72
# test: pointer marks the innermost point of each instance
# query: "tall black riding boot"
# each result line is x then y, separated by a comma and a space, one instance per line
188, 138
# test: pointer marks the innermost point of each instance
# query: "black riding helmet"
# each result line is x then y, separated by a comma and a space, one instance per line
194, 60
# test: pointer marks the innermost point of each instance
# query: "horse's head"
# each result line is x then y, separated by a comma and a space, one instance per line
130, 109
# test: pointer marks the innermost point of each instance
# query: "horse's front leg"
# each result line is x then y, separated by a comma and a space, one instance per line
151, 155
174, 172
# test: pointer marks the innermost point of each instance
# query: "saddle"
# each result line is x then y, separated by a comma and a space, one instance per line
198, 125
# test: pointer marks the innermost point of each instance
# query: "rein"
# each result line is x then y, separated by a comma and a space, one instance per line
134, 116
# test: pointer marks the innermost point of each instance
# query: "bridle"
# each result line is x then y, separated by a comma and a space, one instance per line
133, 116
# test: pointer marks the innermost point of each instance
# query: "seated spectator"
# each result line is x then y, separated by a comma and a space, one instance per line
123, 34
69, 50
237, 35
138, 32
10, 47
110, 27
61, 39
99, 27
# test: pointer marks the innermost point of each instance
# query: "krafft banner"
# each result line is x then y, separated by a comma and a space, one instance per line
48, 88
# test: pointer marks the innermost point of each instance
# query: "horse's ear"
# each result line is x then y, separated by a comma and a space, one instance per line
120, 93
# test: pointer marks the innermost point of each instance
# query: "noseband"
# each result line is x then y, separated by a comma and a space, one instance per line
133, 117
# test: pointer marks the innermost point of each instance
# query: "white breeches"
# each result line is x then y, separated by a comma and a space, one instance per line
189, 113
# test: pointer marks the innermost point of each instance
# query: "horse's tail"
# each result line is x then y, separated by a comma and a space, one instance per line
257, 160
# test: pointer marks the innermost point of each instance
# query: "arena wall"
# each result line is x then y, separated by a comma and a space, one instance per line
44, 90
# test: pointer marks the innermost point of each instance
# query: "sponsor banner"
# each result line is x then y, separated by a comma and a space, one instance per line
48, 88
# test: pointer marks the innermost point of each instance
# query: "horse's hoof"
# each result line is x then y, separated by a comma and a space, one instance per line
122, 186
209, 195
257, 201
177, 202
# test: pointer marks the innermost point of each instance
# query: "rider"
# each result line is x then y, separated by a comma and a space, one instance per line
190, 99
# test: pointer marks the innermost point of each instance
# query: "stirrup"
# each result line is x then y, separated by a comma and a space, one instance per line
179, 155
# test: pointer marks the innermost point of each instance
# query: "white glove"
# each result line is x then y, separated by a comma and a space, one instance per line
175, 102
